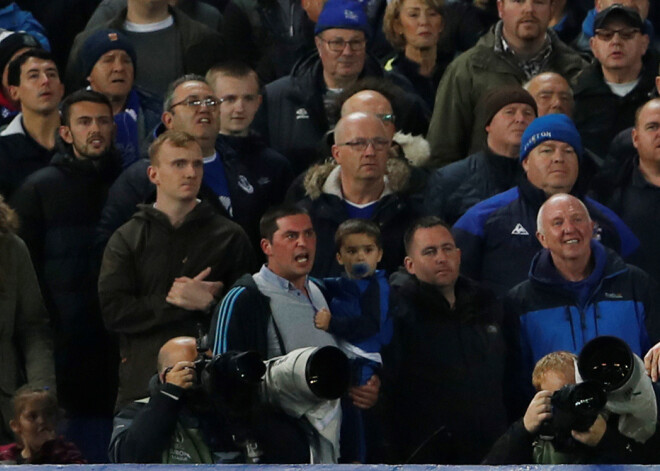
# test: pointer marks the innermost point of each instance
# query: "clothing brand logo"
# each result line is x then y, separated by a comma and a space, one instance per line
350, 15
245, 185
613, 295
301, 113
263, 181
519, 230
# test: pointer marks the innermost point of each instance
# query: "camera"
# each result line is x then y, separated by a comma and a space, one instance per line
576, 406
613, 380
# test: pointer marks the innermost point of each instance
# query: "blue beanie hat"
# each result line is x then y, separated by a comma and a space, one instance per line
103, 41
344, 14
551, 127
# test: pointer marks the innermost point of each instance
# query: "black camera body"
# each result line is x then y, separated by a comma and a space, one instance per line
606, 364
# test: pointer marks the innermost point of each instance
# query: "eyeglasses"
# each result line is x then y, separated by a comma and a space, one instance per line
338, 45
198, 102
360, 145
386, 118
625, 34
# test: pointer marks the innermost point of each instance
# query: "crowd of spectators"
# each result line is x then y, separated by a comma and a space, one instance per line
447, 200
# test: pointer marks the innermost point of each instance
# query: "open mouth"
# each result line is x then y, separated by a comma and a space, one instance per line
302, 258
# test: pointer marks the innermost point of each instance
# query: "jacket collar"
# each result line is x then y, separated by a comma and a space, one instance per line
15, 126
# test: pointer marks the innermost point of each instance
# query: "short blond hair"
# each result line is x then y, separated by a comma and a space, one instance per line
561, 362
178, 139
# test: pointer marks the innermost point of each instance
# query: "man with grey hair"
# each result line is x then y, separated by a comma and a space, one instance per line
552, 93
578, 289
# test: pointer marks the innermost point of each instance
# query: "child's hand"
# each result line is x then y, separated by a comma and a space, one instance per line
322, 319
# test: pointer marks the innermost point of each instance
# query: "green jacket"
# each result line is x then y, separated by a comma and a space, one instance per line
457, 127
26, 346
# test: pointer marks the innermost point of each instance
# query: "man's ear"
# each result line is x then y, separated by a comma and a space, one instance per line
65, 134
541, 239
266, 247
166, 118
410, 266
635, 135
152, 173
13, 92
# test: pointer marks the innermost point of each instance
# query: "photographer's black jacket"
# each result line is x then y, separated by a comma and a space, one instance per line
443, 376
164, 429
516, 446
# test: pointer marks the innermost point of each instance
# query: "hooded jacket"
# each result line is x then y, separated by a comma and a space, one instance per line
140, 263
497, 237
619, 301
394, 212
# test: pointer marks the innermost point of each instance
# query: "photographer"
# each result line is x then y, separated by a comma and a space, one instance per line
533, 439
183, 423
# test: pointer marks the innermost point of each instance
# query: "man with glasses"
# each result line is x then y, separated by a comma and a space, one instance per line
610, 90
298, 109
189, 106
357, 188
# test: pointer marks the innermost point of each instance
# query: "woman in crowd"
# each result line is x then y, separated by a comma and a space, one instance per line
414, 28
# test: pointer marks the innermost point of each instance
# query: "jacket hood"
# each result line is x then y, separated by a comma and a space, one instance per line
543, 271
201, 211
588, 23
416, 151
324, 178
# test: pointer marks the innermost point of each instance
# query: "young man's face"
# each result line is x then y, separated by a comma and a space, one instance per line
113, 74
177, 172
359, 255
291, 252
239, 102
40, 89
90, 131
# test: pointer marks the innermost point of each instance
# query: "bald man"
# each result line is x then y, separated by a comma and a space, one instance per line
354, 186
179, 423
578, 289
552, 93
